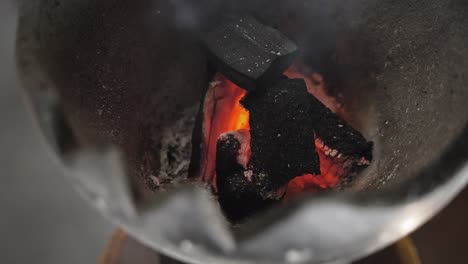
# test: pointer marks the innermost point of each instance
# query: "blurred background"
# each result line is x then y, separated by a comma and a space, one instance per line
44, 221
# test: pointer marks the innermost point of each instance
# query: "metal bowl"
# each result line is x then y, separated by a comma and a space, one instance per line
106, 78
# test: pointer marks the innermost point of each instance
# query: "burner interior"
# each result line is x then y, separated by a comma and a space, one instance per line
134, 74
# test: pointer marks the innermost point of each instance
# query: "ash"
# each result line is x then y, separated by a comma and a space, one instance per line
176, 148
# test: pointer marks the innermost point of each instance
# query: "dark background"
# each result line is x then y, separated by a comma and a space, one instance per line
43, 220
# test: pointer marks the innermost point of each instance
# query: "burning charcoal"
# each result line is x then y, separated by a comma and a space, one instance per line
248, 53
336, 137
233, 150
237, 195
219, 112
282, 135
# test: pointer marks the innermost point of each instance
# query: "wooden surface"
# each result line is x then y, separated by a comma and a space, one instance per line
123, 249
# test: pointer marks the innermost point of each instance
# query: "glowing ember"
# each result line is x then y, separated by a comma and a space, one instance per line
225, 113
331, 173
266, 133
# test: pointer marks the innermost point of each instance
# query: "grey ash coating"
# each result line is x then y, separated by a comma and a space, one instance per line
282, 138
175, 149
247, 52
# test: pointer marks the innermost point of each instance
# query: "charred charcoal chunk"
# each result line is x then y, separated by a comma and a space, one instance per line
282, 135
233, 150
337, 134
238, 198
237, 195
248, 53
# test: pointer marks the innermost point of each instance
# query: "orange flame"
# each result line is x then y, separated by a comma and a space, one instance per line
225, 113
328, 179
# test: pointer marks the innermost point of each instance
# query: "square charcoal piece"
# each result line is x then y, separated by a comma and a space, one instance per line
248, 53
282, 136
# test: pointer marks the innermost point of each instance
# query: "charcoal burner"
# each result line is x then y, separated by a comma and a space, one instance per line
116, 86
